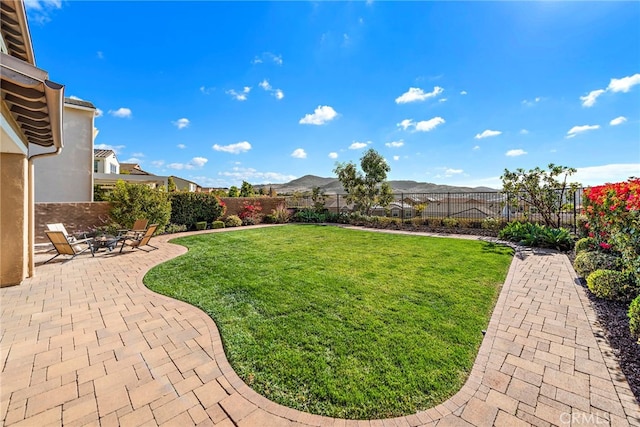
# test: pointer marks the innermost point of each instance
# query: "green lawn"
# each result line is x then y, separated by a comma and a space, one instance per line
342, 322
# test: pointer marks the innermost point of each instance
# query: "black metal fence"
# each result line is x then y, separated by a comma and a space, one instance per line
471, 206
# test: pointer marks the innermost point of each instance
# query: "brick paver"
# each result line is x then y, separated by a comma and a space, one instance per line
86, 343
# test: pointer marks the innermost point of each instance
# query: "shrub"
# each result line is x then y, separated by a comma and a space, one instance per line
634, 318
589, 261
586, 244
281, 214
270, 219
582, 225
531, 234
491, 224
201, 225
611, 284
130, 202
450, 222
309, 215
250, 213
233, 221
217, 224
190, 208
175, 228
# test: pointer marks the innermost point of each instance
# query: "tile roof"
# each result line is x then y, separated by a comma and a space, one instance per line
102, 154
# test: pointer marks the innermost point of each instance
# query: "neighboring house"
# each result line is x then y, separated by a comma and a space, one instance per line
68, 177
105, 161
185, 185
109, 171
31, 127
394, 210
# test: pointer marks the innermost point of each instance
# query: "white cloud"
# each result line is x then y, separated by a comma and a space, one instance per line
181, 146
100, 54
138, 154
239, 174
421, 126
240, 96
416, 94
237, 148
199, 161
268, 56
278, 93
450, 172
122, 112
320, 116
115, 148
487, 133
158, 163
463, 92
624, 84
333, 155
358, 145
396, 158
299, 153
580, 129
429, 125
77, 98
38, 10
618, 121
99, 112
181, 123
442, 100
196, 162
597, 175
132, 160
524, 132
531, 103
405, 124
590, 99
265, 84
515, 153
207, 90
477, 147
394, 144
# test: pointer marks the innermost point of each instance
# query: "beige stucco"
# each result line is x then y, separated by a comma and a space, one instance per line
13, 219
68, 177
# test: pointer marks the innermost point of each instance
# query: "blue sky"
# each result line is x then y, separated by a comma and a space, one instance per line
448, 92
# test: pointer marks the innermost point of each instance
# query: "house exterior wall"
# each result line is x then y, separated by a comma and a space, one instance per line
105, 165
68, 177
13, 221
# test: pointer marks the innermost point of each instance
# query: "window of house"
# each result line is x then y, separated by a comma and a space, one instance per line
95, 165
113, 168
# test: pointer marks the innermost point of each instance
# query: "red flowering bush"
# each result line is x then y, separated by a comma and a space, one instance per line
250, 213
613, 212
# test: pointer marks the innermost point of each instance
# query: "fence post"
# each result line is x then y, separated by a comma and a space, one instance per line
575, 215
448, 204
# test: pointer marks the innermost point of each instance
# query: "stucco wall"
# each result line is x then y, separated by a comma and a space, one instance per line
68, 177
76, 217
13, 219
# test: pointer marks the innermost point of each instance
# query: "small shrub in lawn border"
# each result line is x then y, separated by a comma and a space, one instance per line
611, 284
175, 228
217, 224
233, 221
201, 225
589, 261
634, 318
586, 244
450, 222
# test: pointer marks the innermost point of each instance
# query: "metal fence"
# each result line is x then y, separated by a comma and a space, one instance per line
471, 206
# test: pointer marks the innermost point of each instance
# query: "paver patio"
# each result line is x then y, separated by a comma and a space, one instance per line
86, 343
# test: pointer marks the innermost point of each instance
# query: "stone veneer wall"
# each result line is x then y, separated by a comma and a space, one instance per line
76, 217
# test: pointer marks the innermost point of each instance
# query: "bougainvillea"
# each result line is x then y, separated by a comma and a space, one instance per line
613, 212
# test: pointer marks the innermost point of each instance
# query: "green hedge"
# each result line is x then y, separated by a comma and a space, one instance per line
589, 261
191, 208
611, 284
634, 318
130, 202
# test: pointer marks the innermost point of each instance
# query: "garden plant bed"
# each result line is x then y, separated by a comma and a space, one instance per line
342, 322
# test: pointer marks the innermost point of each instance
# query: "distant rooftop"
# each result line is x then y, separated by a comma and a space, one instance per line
102, 154
79, 102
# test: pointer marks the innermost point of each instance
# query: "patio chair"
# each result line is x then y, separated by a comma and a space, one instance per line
138, 229
137, 242
70, 238
62, 245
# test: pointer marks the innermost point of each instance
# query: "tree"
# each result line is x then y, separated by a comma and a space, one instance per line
130, 202
272, 192
233, 191
246, 190
545, 190
318, 198
171, 185
369, 187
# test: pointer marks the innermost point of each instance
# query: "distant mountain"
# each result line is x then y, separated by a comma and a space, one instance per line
332, 186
